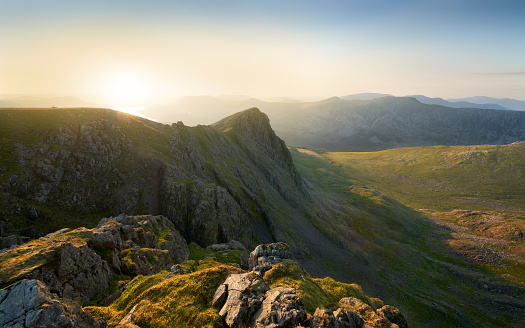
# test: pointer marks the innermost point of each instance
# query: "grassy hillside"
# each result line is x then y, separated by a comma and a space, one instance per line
404, 258
477, 191
444, 178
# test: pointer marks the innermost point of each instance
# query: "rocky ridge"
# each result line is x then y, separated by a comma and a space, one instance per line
58, 165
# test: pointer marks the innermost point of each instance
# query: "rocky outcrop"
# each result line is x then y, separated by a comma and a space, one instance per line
281, 308
78, 264
245, 300
265, 256
139, 249
29, 303
341, 318
214, 185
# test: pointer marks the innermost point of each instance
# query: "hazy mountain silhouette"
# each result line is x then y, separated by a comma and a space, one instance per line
505, 102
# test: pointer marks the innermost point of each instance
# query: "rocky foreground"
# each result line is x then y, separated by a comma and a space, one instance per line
46, 280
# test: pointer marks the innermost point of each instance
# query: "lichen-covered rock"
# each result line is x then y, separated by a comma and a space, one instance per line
78, 264
393, 315
265, 256
340, 318
377, 319
281, 308
83, 272
244, 296
29, 303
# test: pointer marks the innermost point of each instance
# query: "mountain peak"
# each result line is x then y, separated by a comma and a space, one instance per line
251, 120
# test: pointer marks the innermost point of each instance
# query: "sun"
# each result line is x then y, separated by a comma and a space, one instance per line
127, 88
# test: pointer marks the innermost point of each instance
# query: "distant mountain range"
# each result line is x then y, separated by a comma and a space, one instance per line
505, 102
29, 101
361, 125
470, 102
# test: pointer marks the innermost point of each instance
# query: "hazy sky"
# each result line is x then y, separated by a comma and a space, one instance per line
303, 48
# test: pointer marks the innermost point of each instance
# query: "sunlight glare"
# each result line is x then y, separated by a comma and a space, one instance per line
127, 88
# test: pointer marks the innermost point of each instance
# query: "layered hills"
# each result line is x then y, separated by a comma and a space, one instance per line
363, 125
235, 180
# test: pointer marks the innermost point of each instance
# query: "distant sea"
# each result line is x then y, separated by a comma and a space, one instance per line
133, 111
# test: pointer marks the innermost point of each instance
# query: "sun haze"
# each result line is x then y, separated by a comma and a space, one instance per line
262, 48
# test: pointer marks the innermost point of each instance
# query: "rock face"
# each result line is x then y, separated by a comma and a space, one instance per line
29, 303
78, 264
229, 181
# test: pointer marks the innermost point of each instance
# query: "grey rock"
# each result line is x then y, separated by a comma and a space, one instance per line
239, 308
29, 303
219, 298
281, 308
264, 257
10, 241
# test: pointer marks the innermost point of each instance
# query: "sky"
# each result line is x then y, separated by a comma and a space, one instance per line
130, 50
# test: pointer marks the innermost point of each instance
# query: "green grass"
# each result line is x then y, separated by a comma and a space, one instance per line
443, 178
314, 292
399, 254
179, 301
198, 253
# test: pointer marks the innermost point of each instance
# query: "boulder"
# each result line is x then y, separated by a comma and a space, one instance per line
341, 318
29, 303
380, 318
267, 255
393, 315
244, 297
281, 308
10, 241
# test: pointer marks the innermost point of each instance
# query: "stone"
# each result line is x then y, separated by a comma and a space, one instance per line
393, 315
10, 241
281, 308
219, 298
372, 318
244, 296
29, 303
264, 257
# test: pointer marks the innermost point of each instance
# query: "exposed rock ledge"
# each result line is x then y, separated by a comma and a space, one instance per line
78, 264
29, 303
